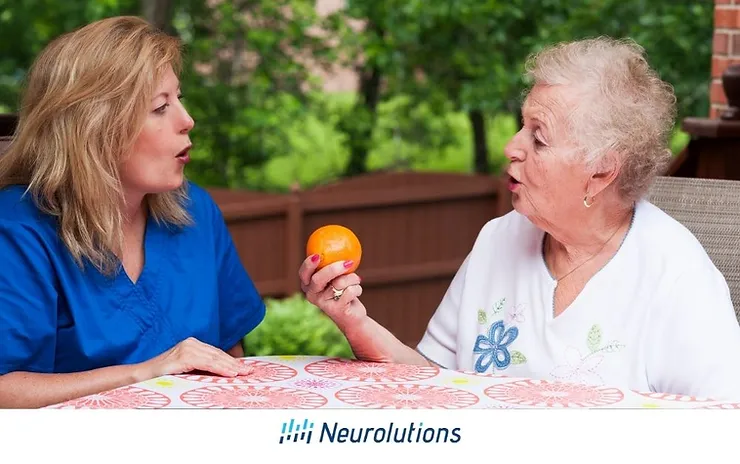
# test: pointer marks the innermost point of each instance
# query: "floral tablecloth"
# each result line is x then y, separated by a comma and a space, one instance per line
309, 382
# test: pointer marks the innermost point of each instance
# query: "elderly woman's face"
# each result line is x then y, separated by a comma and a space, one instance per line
546, 180
160, 152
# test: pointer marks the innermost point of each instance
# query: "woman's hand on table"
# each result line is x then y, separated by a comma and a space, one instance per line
193, 355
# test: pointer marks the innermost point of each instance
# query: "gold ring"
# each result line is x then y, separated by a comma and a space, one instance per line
337, 293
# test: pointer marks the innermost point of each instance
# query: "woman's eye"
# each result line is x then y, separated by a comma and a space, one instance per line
161, 109
537, 141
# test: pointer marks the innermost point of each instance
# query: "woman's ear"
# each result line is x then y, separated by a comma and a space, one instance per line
605, 172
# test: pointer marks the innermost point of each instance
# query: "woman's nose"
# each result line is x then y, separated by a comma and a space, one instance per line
514, 150
187, 122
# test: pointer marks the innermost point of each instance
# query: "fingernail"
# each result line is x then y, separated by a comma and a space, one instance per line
359, 279
348, 264
314, 258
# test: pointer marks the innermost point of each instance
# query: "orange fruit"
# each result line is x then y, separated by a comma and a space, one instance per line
335, 243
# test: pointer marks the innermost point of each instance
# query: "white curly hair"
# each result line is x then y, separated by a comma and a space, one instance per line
623, 105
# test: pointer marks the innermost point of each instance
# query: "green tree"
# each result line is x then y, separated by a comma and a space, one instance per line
27, 26
250, 69
470, 53
676, 35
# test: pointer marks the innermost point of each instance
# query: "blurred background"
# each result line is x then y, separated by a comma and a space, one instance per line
292, 97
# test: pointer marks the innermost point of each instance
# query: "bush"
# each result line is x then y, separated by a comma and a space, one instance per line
293, 326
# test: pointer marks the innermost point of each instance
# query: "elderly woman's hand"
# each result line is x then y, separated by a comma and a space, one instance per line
333, 291
336, 293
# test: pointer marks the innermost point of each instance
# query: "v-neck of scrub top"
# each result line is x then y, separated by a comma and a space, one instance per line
145, 290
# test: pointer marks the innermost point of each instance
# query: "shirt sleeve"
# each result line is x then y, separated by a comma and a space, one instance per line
439, 343
28, 302
241, 307
697, 348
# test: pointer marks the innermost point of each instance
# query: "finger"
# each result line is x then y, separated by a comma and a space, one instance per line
245, 368
349, 307
345, 281
218, 367
220, 356
307, 269
348, 294
321, 279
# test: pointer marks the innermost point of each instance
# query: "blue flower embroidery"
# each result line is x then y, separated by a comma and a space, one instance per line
494, 348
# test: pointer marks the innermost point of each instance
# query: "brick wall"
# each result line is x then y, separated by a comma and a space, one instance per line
725, 49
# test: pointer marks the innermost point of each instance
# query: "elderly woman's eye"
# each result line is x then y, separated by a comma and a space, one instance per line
537, 141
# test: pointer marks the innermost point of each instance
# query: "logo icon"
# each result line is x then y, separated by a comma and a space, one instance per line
296, 432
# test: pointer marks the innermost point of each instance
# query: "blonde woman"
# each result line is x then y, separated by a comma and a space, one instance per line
585, 281
115, 268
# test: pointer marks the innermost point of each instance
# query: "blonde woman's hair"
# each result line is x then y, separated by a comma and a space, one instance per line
86, 99
623, 105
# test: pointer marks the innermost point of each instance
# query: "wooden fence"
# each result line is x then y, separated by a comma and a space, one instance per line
415, 229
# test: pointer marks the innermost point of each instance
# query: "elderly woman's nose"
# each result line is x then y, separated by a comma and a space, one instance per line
513, 150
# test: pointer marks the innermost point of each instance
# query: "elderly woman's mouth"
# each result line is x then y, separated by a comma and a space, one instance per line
513, 184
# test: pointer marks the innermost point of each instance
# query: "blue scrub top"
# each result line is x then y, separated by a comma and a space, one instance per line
55, 317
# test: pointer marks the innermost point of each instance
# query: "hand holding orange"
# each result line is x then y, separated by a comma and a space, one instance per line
335, 243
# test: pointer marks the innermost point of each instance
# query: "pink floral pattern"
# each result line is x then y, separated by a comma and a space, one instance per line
252, 397
409, 396
319, 384
360, 371
722, 406
263, 372
121, 398
309, 382
539, 393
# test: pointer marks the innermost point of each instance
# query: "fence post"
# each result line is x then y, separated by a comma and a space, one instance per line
293, 247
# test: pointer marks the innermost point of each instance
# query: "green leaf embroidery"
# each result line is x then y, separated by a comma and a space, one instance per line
482, 317
594, 338
518, 358
498, 307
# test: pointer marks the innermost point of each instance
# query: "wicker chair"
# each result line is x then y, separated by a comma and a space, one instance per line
710, 209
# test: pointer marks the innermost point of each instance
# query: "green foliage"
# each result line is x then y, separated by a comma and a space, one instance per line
293, 326
408, 136
244, 83
263, 123
27, 26
676, 36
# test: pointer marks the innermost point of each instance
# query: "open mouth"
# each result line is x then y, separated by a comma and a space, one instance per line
184, 153
513, 184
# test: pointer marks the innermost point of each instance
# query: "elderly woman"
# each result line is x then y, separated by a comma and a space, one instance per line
585, 281
114, 269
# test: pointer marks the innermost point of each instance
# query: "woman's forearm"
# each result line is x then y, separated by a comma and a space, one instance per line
34, 390
372, 342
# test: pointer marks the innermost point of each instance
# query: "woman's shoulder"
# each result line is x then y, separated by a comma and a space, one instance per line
668, 250
18, 207
200, 203
663, 236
